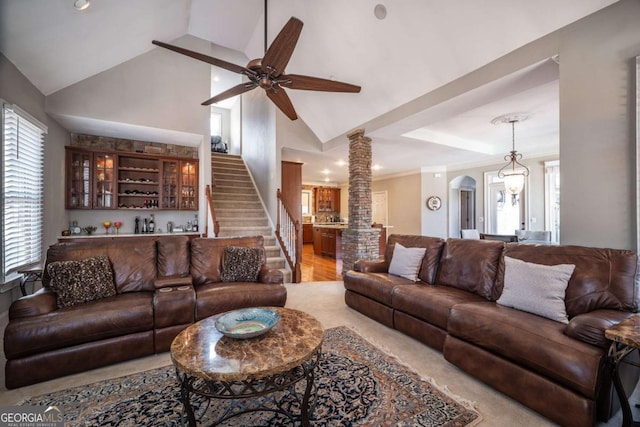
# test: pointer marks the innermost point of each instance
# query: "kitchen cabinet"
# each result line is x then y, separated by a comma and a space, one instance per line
327, 241
327, 199
91, 180
307, 233
317, 241
118, 180
179, 185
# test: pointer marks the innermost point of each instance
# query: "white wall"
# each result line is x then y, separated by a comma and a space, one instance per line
159, 89
597, 142
434, 183
259, 146
404, 201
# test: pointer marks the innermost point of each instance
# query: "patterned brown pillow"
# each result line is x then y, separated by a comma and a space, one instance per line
78, 282
241, 264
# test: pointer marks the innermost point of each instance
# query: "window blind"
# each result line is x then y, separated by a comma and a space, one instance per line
22, 190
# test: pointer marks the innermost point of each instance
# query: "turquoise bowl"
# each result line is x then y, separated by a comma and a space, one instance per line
247, 322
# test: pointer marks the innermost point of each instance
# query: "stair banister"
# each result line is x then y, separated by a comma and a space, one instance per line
287, 233
216, 224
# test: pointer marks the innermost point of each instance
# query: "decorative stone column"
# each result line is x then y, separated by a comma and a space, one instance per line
359, 241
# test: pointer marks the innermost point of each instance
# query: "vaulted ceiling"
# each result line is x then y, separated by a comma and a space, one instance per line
419, 46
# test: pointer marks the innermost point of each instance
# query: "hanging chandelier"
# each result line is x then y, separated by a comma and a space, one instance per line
514, 172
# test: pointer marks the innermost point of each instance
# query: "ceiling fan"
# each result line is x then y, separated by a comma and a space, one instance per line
268, 72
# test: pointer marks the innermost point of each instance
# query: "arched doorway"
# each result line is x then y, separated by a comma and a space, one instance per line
462, 204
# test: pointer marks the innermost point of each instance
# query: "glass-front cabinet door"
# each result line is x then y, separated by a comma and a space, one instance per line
79, 180
170, 184
188, 185
105, 181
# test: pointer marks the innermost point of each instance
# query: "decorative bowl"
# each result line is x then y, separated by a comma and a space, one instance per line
247, 322
90, 229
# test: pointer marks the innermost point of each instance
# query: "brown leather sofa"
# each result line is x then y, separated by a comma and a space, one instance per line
556, 369
163, 285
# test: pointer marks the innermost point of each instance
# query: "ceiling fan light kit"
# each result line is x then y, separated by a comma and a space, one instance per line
514, 172
268, 72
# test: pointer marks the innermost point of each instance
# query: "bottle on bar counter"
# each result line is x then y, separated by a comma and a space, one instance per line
195, 223
152, 225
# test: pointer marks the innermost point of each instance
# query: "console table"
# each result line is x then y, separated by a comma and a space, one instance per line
625, 337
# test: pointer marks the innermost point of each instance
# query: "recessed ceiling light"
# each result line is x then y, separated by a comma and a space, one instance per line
341, 163
81, 4
377, 167
326, 171
380, 11
326, 179
216, 78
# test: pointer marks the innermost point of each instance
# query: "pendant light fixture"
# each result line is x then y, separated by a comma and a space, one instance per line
514, 172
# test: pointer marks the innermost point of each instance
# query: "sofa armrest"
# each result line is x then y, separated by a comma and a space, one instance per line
363, 266
270, 276
172, 281
590, 327
41, 302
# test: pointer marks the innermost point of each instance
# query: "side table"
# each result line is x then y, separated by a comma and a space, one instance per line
625, 337
32, 275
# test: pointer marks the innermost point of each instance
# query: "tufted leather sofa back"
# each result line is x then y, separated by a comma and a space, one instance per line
133, 260
602, 279
207, 256
471, 265
430, 261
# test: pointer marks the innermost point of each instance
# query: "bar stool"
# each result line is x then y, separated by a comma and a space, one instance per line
32, 274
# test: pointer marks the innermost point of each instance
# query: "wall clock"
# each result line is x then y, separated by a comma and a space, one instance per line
434, 203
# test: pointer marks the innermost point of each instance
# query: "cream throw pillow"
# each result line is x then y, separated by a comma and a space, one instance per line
536, 288
406, 262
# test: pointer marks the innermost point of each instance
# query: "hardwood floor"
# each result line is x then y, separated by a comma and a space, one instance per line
316, 268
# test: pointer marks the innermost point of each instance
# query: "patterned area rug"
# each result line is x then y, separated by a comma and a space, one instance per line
357, 385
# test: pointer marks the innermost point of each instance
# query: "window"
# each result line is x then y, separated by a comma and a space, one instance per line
216, 124
22, 188
552, 199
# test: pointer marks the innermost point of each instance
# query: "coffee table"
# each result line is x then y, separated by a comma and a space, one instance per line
256, 374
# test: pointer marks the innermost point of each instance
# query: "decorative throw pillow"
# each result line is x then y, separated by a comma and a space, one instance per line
78, 282
406, 262
536, 288
241, 264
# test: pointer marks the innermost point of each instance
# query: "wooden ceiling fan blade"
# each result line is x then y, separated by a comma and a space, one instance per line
283, 102
206, 58
281, 49
296, 81
236, 90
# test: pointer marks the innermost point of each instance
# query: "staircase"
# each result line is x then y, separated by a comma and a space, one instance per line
238, 208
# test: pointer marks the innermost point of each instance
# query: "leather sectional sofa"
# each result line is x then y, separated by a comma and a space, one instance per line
557, 369
162, 286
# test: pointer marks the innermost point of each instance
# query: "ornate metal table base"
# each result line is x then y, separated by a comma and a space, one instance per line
617, 352
275, 393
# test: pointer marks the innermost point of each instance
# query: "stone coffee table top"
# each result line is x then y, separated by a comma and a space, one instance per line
203, 352
626, 332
